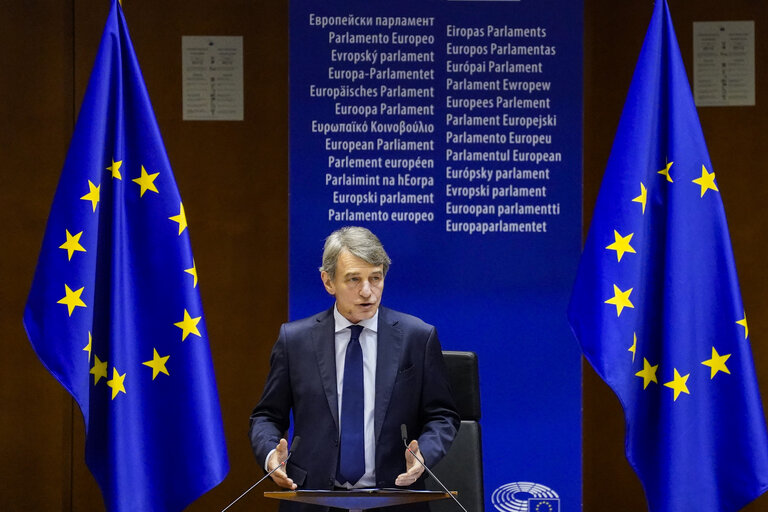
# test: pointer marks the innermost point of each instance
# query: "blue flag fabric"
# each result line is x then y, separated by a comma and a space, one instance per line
656, 304
114, 312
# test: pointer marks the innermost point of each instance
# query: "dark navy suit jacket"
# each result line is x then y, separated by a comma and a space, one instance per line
411, 389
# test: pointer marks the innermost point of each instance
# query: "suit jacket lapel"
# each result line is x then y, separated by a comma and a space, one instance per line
323, 340
389, 346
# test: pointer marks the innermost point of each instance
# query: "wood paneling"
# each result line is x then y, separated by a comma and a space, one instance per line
36, 112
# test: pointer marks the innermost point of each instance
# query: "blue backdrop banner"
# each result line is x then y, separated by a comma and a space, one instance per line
452, 130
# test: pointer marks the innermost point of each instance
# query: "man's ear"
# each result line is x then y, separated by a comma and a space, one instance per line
328, 283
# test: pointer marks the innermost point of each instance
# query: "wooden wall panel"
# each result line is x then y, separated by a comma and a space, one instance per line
36, 116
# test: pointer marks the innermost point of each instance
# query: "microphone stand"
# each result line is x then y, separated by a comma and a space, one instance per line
294, 444
404, 434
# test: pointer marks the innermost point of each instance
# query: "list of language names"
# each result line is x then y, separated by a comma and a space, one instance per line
446, 124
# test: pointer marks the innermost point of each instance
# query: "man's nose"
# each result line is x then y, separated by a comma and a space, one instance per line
365, 291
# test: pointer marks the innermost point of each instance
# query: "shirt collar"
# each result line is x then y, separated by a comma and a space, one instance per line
342, 323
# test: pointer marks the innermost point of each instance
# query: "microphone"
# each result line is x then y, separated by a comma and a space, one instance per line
404, 435
294, 445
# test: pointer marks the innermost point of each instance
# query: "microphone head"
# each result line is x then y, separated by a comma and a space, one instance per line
404, 432
294, 443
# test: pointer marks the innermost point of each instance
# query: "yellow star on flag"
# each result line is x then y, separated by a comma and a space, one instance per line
93, 194
188, 325
72, 244
743, 323
620, 299
193, 272
99, 369
181, 218
665, 171
633, 348
115, 169
706, 182
643, 197
621, 244
116, 382
648, 373
157, 364
72, 299
89, 345
717, 363
146, 181
679, 384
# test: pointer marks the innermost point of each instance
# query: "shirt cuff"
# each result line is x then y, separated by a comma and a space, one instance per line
266, 461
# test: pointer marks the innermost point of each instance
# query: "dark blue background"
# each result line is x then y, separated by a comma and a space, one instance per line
503, 296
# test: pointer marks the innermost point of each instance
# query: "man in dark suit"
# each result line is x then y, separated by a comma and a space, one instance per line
351, 376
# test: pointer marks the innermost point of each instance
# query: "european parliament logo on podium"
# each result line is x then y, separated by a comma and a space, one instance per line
525, 497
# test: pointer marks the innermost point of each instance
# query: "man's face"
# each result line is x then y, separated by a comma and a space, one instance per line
357, 287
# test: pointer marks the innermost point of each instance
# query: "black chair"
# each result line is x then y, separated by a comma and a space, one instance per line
462, 468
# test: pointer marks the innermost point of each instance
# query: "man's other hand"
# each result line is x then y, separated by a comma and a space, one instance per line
280, 477
412, 466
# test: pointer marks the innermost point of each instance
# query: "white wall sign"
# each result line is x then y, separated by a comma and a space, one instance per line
212, 78
724, 63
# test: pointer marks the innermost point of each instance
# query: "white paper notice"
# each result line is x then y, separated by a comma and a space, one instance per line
724, 63
212, 78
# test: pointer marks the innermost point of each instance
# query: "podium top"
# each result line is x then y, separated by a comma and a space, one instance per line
359, 499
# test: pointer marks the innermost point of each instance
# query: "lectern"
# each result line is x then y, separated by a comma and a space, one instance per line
359, 499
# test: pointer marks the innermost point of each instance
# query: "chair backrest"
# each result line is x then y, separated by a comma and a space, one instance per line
462, 468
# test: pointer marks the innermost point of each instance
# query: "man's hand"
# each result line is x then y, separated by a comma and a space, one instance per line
278, 456
412, 466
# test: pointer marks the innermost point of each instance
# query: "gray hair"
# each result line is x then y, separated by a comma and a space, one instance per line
358, 241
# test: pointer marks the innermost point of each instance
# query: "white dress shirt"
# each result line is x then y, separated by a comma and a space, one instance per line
368, 343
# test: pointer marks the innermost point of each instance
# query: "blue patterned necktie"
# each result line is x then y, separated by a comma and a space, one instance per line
352, 451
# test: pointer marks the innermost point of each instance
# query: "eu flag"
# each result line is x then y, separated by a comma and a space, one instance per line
656, 304
114, 312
